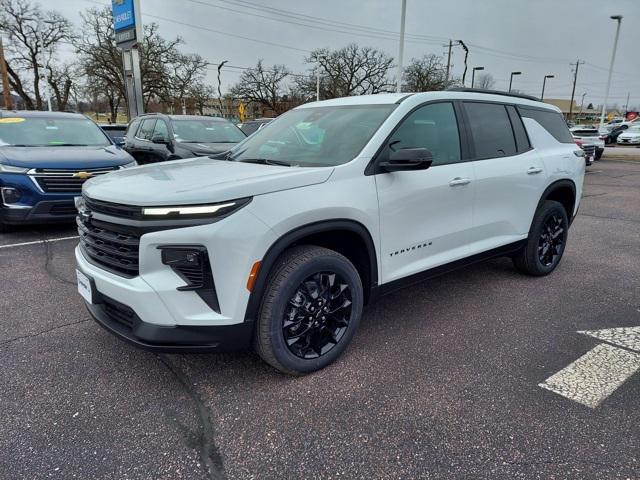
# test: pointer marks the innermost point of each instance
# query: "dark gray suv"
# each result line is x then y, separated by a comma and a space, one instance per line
157, 137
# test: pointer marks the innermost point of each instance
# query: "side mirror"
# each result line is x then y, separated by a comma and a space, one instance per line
407, 159
159, 140
118, 141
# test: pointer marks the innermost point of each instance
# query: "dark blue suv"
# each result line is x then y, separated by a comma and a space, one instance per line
45, 157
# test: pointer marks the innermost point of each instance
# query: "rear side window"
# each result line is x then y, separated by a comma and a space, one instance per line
520, 134
490, 129
551, 121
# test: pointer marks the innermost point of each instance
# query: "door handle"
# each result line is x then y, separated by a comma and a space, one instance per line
534, 170
459, 181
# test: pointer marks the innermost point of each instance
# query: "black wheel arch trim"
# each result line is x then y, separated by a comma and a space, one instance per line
554, 186
289, 238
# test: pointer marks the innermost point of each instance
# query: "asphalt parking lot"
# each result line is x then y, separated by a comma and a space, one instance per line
441, 381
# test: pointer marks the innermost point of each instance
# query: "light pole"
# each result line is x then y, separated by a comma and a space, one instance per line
544, 82
582, 102
618, 18
473, 74
511, 79
401, 47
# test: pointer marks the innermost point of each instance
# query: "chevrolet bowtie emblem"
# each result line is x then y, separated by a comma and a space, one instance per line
82, 175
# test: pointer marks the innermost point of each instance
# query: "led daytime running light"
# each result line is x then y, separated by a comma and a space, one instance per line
186, 210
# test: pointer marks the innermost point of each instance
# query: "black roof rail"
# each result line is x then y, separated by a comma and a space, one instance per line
493, 92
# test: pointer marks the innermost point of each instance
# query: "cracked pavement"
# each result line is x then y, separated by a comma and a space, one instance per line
441, 381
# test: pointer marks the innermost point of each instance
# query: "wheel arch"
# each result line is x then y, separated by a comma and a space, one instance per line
342, 235
563, 191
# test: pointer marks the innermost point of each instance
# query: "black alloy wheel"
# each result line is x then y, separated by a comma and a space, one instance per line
318, 315
551, 242
547, 240
310, 309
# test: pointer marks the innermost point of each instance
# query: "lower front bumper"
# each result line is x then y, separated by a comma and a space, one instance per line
48, 211
123, 322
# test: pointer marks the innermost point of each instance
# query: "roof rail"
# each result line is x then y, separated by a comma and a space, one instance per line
493, 92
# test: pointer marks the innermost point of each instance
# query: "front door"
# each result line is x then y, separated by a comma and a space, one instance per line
425, 215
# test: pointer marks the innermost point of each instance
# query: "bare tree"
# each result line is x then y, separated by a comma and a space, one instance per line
201, 94
184, 72
424, 74
263, 85
101, 60
34, 36
485, 81
351, 70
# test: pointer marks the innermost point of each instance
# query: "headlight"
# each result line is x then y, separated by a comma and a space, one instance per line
11, 169
130, 165
214, 210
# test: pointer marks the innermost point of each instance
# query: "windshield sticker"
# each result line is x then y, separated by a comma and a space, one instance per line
12, 120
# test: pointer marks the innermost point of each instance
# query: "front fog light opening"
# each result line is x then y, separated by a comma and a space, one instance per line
10, 195
192, 265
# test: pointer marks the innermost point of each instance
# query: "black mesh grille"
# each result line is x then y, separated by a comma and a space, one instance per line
118, 312
111, 246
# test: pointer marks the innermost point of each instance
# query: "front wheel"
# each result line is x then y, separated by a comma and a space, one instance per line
310, 310
547, 240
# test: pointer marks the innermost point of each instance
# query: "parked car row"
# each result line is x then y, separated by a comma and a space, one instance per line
45, 157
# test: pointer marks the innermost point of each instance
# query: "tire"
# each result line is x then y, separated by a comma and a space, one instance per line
312, 318
599, 154
547, 240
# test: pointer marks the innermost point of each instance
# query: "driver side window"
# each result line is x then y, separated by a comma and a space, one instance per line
433, 127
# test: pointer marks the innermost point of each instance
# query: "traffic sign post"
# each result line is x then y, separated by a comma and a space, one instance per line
127, 26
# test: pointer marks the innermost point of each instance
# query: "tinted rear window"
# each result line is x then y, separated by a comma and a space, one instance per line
491, 130
551, 121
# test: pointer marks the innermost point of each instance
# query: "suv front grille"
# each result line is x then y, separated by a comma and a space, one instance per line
54, 180
115, 247
114, 209
589, 149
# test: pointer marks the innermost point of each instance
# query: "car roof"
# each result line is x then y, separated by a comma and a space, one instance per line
39, 114
391, 98
182, 117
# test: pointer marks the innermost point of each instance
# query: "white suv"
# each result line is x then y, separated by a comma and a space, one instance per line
281, 243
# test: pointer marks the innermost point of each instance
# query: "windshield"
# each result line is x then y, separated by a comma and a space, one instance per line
206, 131
50, 132
319, 136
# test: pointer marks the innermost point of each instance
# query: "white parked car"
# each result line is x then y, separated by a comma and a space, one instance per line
281, 245
631, 136
586, 136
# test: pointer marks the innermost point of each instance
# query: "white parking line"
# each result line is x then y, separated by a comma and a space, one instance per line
35, 242
627, 337
594, 376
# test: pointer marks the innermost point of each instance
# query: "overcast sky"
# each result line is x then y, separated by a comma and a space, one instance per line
536, 37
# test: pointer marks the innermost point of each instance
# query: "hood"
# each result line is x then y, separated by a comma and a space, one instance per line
629, 134
64, 157
202, 180
207, 148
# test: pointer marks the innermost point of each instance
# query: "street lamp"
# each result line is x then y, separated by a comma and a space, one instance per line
544, 81
511, 79
403, 16
618, 18
473, 74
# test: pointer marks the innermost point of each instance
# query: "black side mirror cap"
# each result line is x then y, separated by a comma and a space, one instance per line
160, 140
407, 159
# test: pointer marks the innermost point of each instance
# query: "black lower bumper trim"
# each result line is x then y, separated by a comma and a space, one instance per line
47, 211
175, 339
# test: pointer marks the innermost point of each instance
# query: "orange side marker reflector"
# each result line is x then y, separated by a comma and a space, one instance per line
253, 276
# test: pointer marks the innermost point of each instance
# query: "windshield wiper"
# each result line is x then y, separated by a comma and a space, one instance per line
68, 145
267, 161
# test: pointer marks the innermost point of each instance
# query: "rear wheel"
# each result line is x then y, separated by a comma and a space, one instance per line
310, 310
546, 242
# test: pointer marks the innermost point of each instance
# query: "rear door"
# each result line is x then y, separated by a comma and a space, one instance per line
510, 176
